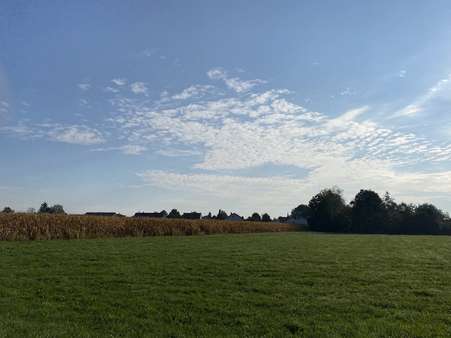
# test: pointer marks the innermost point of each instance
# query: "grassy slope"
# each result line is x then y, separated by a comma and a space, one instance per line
254, 284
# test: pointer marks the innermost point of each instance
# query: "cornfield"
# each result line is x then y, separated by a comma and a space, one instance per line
45, 226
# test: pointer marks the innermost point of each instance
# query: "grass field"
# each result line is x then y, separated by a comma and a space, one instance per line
228, 285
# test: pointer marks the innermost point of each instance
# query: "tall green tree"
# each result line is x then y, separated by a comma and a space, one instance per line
255, 217
266, 218
7, 210
329, 211
222, 215
174, 213
44, 208
301, 210
368, 212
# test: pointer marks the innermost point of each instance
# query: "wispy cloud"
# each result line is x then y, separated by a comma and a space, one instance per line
119, 81
234, 83
194, 91
347, 92
175, 152
249, 130
139, 88
73, 134
419, 104
128, 149
84, 86
4, 107
223, 131
110, 89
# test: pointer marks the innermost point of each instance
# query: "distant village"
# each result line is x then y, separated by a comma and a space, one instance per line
298, 216
222, 215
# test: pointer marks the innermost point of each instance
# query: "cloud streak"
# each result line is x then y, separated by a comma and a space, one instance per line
419, 104
72, 134
234, 83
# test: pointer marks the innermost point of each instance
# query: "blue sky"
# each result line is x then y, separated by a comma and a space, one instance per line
245, 106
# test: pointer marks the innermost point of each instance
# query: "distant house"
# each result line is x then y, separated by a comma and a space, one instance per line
234, 217
104, 214
150, 214
297, 221
191, 215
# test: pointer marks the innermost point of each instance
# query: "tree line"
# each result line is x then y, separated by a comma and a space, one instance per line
327, 211
43, 209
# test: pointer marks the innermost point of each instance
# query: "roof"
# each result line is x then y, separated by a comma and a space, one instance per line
149, 214
102, 214
234, 216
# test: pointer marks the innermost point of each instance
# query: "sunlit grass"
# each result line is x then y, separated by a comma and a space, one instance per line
228, 285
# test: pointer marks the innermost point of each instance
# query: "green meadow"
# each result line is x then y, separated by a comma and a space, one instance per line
277, 285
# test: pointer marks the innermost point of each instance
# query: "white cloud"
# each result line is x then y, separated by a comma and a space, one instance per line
84, 86
402, 73
243, 132
76, 135
128, 149
119, 81
347, 117
4, 107
347, 92
216, 74
138, 88
194, 91
174, 152
419, 104
110, 89
244, 129
234, 83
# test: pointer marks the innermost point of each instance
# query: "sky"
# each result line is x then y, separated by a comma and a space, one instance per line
246, 106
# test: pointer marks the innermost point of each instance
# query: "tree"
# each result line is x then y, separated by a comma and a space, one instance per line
163, 213
301, 210
368, 212
328, 211
266, 218
222, 215
255, 217
44, 208
174, 214
403, 217
427, 219
7, 210
57, 209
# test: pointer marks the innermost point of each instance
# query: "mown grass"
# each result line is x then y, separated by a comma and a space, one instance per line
47, 226
277, 284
